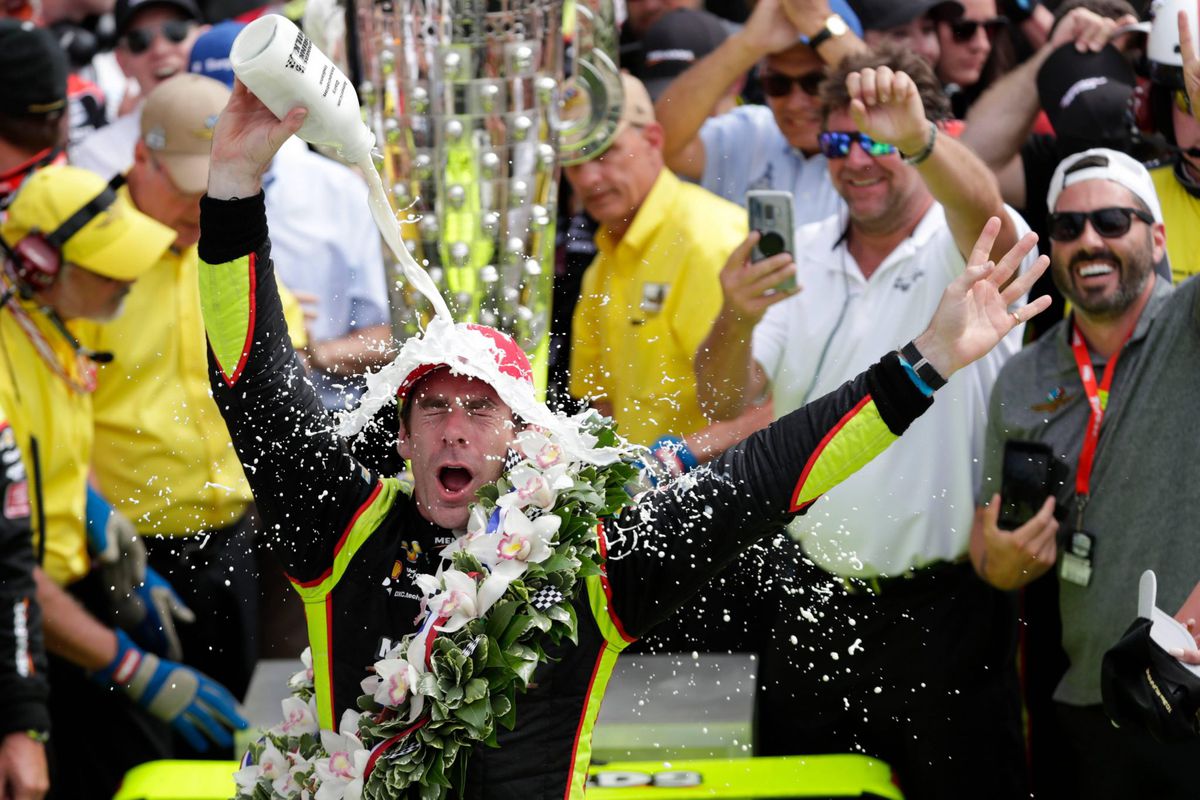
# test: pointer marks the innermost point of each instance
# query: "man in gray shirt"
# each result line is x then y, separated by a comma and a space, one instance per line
1112, 390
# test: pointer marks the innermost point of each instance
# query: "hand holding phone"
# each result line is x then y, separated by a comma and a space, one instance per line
771, 215
1025, 482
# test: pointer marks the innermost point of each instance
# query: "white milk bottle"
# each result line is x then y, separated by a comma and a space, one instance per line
279, 64
282, 68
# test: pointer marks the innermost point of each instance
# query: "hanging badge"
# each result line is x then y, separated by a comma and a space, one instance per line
1078, 558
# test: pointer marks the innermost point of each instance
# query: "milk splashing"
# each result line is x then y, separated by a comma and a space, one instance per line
468, 352
389, 227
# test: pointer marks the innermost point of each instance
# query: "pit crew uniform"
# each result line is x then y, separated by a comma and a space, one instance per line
353, 540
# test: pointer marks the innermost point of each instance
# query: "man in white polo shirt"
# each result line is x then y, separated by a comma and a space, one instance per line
899, 651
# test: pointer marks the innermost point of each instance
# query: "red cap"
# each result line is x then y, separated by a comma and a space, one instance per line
510, 358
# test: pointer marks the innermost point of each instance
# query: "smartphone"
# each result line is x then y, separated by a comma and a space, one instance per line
1025, 482
771, 215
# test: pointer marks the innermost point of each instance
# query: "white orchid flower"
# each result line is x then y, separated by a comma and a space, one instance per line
304, 678
298, 774
535, 487
298, 718
341, 773
247, 777
272, 765
539, 448
527, 540
396, 679
458, 599
522, 542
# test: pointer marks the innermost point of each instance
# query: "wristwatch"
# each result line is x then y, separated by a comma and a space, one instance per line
911, 356
834, 27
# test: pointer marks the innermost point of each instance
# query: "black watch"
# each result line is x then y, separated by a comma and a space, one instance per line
925, 371
834, 27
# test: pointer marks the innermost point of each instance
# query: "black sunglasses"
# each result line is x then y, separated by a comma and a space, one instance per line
139, 40
963, 30
776, 85
1110, 223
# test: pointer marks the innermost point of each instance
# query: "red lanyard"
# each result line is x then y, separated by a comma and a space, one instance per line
1097, 400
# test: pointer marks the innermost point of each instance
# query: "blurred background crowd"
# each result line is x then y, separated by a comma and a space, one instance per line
904, 616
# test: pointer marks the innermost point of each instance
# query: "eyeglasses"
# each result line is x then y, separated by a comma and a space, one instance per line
139, 40
964, 30
836, 144
1110, 223
777, 85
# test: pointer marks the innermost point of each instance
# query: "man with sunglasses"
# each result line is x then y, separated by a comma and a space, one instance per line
911, 660
154, 39
753, 147
1111, 390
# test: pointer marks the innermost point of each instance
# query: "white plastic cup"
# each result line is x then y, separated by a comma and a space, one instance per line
282, 68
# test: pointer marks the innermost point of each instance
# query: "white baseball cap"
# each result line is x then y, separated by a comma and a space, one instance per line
1103, 164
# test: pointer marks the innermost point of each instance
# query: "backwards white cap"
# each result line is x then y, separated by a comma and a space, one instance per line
1103, 164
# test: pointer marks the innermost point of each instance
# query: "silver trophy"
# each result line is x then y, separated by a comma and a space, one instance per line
476, 104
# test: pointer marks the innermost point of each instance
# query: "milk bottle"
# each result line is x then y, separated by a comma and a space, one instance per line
280, 66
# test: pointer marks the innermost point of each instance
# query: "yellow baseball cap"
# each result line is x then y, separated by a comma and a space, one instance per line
120, 242
177, 126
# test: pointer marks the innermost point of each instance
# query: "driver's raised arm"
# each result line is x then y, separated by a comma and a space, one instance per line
663, 549
308, 488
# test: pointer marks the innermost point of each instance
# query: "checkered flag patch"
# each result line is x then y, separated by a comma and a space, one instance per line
546, 597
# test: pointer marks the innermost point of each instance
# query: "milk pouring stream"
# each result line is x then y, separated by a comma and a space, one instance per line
280, 66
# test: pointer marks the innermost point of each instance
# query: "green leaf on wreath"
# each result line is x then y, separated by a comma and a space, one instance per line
475, 714
476, 689
499, 617
516, 627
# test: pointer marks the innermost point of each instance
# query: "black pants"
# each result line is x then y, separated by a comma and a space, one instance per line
922, 677
98, 733
1108, 763
216, 574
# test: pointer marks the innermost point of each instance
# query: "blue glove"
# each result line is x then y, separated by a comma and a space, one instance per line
189, 701
163, 608
143, 603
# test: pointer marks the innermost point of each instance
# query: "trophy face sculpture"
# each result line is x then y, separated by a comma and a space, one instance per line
474, 115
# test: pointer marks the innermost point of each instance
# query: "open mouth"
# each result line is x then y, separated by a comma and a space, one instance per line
454, 480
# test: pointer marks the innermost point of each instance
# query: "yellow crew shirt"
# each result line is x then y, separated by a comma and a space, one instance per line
163, 456
56, 410
647, 304
1181, 214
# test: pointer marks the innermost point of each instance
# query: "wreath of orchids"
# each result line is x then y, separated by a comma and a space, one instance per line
503, 591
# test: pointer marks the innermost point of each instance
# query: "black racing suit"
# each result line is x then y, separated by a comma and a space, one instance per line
352, 541
23, 684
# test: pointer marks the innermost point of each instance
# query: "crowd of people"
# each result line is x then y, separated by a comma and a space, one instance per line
163, 367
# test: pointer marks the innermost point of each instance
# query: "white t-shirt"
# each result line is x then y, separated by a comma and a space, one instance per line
914, 503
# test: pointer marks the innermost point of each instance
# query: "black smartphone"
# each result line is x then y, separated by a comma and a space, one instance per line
771, 215
1025, 481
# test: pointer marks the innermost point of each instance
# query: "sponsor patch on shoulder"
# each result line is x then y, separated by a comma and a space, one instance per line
16, 501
